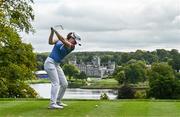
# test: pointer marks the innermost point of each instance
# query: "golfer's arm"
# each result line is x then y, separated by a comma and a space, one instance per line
66, 43
51, 40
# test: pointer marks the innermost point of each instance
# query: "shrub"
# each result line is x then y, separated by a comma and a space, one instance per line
140, 95
16, 89
126, 92
20, 90
104, 96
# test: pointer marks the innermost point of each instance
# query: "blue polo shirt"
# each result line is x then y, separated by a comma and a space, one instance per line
59, 51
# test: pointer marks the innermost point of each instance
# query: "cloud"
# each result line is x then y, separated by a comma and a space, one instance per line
113, 15
115, 25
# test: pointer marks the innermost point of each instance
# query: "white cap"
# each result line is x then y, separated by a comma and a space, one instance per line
76, 37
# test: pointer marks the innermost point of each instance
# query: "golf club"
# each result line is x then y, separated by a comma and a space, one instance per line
58, 27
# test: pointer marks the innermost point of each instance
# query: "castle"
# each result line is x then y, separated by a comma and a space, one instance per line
94, 68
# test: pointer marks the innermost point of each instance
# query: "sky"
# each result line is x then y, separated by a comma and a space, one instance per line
108, 25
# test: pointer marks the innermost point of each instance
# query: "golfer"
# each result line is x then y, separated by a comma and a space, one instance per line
62, 47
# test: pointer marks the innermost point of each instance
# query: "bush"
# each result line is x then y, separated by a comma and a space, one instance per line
21, 90
104, 96
126, 92
16, 89
140, 95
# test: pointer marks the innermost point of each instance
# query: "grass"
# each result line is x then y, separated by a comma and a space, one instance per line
103, 84
88, 108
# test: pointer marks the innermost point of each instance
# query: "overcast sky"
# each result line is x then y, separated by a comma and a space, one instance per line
109, 25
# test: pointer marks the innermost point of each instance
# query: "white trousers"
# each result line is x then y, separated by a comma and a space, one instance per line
57, 78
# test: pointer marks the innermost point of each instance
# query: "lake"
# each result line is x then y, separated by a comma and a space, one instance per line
74, 93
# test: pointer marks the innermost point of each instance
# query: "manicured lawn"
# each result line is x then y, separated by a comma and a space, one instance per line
80, 108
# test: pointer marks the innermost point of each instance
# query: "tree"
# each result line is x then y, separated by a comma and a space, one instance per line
17, 14
125, 57
119, 74
117, 58
121, 78
174, 52
105, 59
132, 72
82, 76
135, 72
162, 82
70, 70
17, 60
40, 58
150, 57
175, 61
40, 65
162, 55
139, 55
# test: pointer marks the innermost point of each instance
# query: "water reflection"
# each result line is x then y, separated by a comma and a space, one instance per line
74, 93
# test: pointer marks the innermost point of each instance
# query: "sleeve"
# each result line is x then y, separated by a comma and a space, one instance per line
59, 44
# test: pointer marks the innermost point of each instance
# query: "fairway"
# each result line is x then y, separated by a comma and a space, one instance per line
120, 108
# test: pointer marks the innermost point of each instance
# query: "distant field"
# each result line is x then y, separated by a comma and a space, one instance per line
104, 83
89, 108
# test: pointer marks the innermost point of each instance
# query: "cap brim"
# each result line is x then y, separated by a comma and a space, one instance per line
78, 42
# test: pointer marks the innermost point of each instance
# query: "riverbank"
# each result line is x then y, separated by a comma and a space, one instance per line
102, 84
89, 108
93, 84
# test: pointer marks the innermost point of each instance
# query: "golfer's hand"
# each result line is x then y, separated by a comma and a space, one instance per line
55, 31
52, 29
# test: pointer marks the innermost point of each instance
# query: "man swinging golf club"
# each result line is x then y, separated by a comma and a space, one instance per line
62, 47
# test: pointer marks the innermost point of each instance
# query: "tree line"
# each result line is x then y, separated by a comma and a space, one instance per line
120, 58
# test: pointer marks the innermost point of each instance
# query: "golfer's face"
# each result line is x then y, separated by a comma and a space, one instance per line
73, 41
